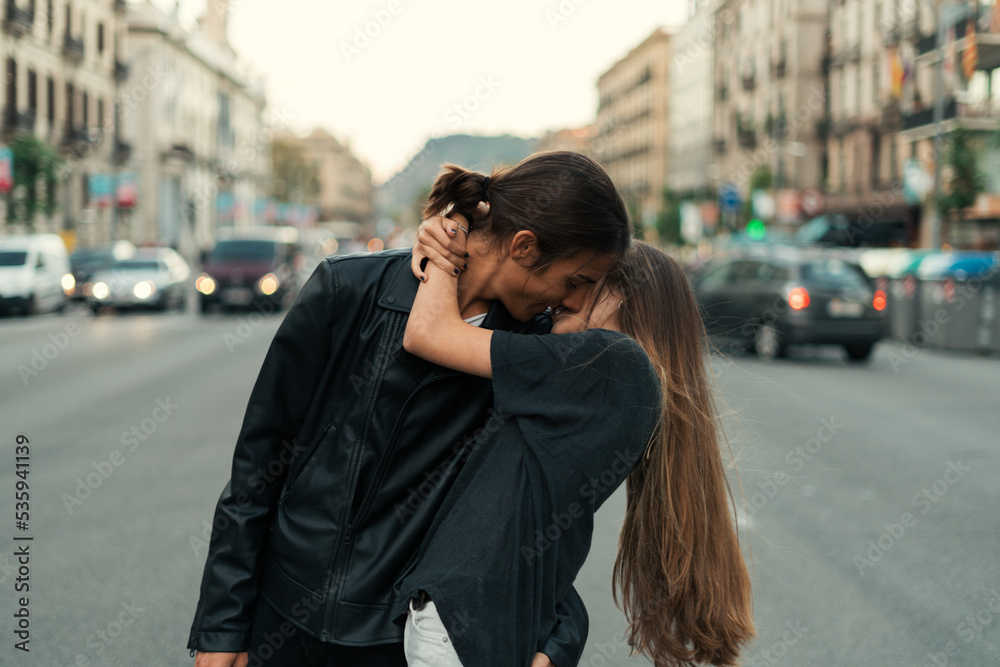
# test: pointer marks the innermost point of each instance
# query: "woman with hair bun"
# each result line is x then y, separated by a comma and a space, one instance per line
350, 444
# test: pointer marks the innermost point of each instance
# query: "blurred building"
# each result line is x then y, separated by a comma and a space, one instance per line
970, 101
195, 117
870, 44
770, 96
690, 106
632, 124
63, 64
345, 189
577, 140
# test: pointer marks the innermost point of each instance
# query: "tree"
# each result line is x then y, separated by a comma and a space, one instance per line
668, 222
34, 161
760, 179
296, 178
967, 181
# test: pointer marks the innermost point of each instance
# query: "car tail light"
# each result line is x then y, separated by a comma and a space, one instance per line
798, 298
879, 301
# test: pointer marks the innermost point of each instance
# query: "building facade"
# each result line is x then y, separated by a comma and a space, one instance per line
63, 65
970, 101
690, 108
196, 120
633, 125
346, 192
770, 95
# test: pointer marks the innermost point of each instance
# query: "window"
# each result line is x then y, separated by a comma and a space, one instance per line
86, 110
48, 17
11, 84
50, 101
32, 92
70, 103
100, 38
69, 20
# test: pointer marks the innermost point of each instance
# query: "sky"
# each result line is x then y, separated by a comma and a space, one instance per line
386, 75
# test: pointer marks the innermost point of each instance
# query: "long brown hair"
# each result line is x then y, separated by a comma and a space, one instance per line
566, 199
680, 574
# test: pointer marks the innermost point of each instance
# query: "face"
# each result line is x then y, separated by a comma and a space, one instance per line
600, 315
568, 283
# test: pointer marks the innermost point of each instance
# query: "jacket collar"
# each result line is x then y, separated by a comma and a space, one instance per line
401, 289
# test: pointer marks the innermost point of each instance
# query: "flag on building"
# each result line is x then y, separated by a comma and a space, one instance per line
896, 72
970, 56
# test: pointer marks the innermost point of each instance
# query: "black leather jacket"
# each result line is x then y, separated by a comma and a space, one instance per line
347, 449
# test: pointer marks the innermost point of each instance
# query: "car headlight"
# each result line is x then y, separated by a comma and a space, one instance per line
144, 290
100, 290
205, 284
268, 284
68, 283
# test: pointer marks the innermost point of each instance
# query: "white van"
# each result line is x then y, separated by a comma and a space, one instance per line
35, 274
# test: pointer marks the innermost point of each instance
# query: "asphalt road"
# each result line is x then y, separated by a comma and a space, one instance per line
854, 563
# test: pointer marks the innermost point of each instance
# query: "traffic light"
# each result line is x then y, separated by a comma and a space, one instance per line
756, 230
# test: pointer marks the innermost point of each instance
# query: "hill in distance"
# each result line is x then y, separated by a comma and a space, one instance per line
397, 197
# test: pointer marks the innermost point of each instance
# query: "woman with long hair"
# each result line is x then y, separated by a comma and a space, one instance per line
618, 391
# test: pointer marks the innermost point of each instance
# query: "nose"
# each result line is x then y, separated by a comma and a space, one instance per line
575, 299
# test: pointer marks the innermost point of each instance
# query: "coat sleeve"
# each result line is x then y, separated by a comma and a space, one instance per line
279, 402
564, 645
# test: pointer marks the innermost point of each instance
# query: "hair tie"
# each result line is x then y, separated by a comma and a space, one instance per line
483, 196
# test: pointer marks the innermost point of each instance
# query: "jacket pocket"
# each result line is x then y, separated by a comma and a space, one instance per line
301, 463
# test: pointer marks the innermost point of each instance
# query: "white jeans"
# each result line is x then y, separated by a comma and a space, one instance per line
425, 641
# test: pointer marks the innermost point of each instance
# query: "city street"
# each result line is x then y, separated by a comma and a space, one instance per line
870, 491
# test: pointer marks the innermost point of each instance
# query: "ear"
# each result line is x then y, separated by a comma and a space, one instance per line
524, 248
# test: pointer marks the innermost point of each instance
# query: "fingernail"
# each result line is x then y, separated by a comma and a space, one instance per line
456, 272
452, 231
423, 279
467, 255
466, 265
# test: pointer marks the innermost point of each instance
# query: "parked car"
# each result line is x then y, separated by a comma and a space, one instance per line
34, 273
88, 261
763, 303
152, 278
252, 268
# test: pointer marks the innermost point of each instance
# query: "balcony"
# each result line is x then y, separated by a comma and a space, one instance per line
18, 21
778, 68
822, 129
719, 145
987, 45
982, 115
721, 92
749, 81
121, 71
15, 121
123, 151
73, 49
891, 118
121, 6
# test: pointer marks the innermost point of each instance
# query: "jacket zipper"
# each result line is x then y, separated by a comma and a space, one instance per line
354, 483
369, 496
305, 461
